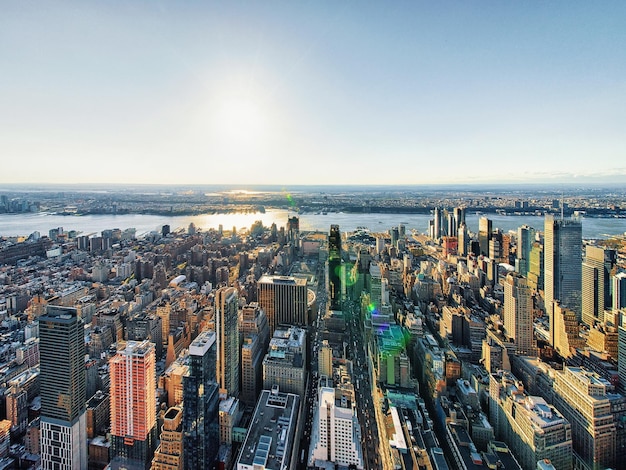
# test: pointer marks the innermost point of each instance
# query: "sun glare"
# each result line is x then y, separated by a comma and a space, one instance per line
241, 120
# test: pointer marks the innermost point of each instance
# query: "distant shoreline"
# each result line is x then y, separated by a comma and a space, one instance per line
587, 213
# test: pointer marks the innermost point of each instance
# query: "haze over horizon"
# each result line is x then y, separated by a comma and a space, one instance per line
312, 93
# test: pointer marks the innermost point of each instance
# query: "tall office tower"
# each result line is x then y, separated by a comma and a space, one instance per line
596, 283
336, 435
293, 228
562, 264
463, 240
402, 230
535, 267
518, 314
133, 406
62, 389
284, 299
621, 349
451, 223
334, 267
437, 223
495, 249
459, 217
395, 236
227, 331
619, 290
596, 412
255, 331
484, 235
525, 240
201, 404
376, 287
380, 245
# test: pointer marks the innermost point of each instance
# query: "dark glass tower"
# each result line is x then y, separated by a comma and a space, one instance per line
334, 267
484, 235
562, 266
201, 404
63, 383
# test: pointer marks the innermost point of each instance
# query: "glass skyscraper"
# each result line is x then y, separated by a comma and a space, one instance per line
63, 383
201, 404
334, 267
227, 329
562, 265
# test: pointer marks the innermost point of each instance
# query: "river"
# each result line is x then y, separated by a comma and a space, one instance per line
25, 224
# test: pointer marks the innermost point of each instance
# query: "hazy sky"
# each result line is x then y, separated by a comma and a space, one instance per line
318, 92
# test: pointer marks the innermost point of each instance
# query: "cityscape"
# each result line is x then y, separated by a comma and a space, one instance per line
273, 347
295, 235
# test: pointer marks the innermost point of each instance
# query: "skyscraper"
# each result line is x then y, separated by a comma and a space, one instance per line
227, 330
562, 264
62, 382
437, 224
459, 217
518, 313
452, 228
525, 240
463, 240
619, 290
255, 331
337, 434
133, 406
484, 235
535, 267
284, 299
596, 287
334, 267
621, 350
201, 404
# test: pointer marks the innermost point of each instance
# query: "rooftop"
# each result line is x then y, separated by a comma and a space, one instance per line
270, 435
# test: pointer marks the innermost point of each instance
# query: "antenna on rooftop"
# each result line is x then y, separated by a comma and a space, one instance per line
562, 197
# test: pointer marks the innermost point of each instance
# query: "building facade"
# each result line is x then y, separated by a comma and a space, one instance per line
533, 429
133, 406
334, 267
201, 404
285, 363
596, 283
227, 331
562, 265
62, 389
284, 300
169, 454
518, 314
255, 332
336, 435
595, 412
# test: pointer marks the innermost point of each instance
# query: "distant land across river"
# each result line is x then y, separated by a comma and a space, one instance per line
25, 224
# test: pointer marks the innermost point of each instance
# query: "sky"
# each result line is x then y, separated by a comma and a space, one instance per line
312, 92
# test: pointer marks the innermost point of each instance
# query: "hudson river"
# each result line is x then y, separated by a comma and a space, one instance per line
25, 224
